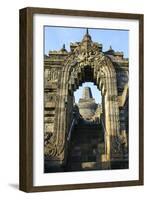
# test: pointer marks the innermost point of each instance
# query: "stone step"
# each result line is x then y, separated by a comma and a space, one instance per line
84, 166
87, 126
87, 131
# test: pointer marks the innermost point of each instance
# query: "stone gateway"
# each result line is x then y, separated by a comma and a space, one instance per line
85, 136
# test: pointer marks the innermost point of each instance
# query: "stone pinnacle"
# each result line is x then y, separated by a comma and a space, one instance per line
87, 94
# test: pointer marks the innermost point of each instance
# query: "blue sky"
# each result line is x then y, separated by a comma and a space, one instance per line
55, 37
95, 92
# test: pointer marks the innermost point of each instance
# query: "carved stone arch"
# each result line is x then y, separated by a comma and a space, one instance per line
111, 108
101, 64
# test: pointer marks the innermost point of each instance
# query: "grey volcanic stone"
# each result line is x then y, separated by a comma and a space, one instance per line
87, 105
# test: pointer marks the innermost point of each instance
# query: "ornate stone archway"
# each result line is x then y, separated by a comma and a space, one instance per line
85, 62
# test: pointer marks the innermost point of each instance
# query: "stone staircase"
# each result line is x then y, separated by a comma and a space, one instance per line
86, 147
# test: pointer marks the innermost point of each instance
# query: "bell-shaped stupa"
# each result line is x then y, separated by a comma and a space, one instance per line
87, 105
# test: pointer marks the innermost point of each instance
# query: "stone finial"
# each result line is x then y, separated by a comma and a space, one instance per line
63, 48
87, 32
87, 94
110, 48
87, 37
110, 51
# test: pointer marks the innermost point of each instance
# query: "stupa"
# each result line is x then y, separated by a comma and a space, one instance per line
87, 105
